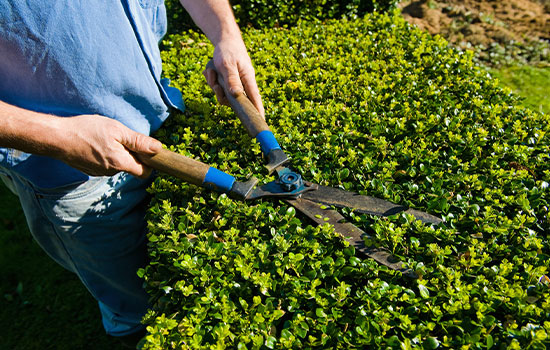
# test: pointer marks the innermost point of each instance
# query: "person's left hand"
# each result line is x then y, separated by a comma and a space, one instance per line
233, 63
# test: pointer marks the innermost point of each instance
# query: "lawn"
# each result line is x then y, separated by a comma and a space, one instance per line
531, 83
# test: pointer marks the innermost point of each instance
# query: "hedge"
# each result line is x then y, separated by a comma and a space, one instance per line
377, 107
275, 13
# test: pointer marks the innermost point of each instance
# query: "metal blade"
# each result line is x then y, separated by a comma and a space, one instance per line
276, 158
364, 204
354, 235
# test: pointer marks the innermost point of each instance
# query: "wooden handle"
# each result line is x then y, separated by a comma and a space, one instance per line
243, 107
177, 165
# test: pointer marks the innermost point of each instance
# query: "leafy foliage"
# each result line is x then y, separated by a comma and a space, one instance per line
275, 13
373, 106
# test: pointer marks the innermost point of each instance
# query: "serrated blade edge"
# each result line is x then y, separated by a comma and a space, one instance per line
339, 198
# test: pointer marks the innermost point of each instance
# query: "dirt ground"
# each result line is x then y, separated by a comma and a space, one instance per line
481, 22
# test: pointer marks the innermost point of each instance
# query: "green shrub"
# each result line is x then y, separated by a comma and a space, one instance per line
376, 107
275, 13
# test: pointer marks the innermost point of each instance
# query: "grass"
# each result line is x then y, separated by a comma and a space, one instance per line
531, 83
43, 306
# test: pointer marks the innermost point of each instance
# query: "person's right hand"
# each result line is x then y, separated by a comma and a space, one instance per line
100, 146
231, 60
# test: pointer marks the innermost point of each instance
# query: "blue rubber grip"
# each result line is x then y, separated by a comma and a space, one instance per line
267, 141
218, 180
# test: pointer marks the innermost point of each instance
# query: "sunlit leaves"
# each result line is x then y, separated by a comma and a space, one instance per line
378, 108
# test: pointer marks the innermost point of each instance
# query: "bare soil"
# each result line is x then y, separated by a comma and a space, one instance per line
476, 22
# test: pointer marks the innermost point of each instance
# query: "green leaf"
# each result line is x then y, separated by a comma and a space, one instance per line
290, 212
489, 341
302, 333
270, 342
278, 314
394, 341
320, 313
430, 343
285, 333
406, 344
343, 174
424, 292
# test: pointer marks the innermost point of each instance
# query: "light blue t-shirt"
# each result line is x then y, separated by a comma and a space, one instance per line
67, 58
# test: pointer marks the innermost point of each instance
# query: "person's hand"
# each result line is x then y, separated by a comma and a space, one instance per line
233, 63
100, 146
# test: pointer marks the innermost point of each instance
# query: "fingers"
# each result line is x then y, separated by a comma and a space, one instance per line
137, 143
101, 146
138, 169
253, 93
128, 162
212, 80
232, 78
140, 143
236, 82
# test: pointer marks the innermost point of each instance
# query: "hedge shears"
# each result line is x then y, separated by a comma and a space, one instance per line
314, 201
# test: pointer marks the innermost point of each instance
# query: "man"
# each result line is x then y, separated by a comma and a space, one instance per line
80, 90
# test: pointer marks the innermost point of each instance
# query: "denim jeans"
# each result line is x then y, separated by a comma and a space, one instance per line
95, 229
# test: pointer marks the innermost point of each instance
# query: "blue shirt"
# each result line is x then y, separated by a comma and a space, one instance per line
67, 58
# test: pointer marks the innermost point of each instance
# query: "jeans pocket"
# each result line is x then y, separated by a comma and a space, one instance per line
108, 207
72, 191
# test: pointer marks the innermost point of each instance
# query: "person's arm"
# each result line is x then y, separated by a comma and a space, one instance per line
215, 18
93, 144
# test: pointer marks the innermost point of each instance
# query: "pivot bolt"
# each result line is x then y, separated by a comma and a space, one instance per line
291, 181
